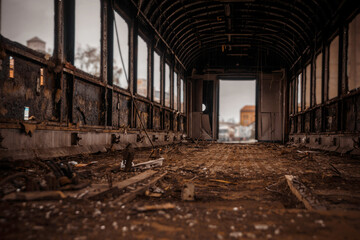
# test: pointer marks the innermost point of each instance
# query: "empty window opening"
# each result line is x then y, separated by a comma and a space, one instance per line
334, 68
307, 86
237, 110
142, 67
87, 36
30, 23
299, 92
167, 85
353, 61
157, 77
175, 91
182, 95
119, 73
318, 76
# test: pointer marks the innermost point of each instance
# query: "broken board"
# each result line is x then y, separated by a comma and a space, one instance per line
97, 191
303, 193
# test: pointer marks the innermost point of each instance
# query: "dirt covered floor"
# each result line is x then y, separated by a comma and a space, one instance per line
240, 193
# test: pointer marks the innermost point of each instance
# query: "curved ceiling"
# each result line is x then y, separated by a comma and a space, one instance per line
237, 28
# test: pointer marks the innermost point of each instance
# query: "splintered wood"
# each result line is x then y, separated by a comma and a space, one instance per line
303, 193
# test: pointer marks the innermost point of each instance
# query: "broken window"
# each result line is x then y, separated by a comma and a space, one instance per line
307, 86
299, 92
318, 76
182, 95
157, 77
353, 61
120, 74
334, 68
175, 91
142, 67
29, 22
167, 85
87, 36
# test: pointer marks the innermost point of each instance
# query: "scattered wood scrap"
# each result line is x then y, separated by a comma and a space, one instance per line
149, 164
127, 197
34, 196
98, 191
164, 206
303, 193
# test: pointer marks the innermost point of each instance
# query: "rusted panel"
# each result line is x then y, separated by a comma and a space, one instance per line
182, 121
23, 90
299, 123
157, 118
175, 121
357, 107
292, 125
331, 118
307, 125
349, 114
88, 104
121, 110
143, 110
167, 121
317, 120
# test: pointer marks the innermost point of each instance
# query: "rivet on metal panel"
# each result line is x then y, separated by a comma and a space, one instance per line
75, 139
318, 140
115, 138
155, 138
139, 138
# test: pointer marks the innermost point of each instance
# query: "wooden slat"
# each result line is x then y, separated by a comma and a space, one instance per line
101, 190
303, 194
127, 197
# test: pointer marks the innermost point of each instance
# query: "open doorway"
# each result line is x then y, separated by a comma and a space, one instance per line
237, 111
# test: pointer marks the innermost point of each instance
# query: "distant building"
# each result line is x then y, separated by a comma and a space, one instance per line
247, 115
36, 44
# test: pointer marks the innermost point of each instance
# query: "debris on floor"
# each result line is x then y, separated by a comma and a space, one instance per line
219, 191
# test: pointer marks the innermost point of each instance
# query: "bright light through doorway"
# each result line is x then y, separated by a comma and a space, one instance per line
237, 110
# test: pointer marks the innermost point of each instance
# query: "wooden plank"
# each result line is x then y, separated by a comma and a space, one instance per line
149, 164
101, 190
34, 196
303, 194
127, 197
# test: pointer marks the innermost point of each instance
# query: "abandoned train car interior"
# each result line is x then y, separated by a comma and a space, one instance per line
179, 119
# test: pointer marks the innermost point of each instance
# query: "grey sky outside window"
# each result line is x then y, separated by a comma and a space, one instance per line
318, 76
307, 86
353, 61
32, 20
167, 85
142, 66
182, 95
334, 68
157, 77
175, 91
119, 77
87, 36
299, 92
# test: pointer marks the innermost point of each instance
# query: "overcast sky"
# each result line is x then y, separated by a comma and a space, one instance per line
233, 96
18, 17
